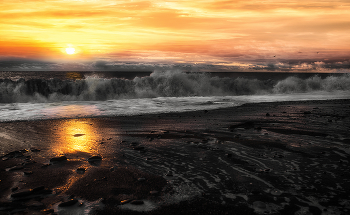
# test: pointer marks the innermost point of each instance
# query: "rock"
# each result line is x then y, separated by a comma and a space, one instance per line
113, 168
139, 148
137, 202
14, 168
95, 158
81, 170
38, 189
141, 179
229, 155
78, 135
35, 150
22, 194
307, 112
267, 114
27, 172
14, 189
68, 203
58, 159
125, 201
134, 143
48, 211
169, 174
154, 192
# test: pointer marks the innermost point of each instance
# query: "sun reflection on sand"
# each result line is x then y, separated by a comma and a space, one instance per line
76, 135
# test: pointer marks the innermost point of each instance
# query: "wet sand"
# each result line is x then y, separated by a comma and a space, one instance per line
275, 158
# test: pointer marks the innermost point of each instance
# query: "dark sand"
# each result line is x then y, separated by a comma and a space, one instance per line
241, 160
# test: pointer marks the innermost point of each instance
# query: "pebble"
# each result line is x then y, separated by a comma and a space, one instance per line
137, 202
58, 159
95, 158
153, 192
22, 194
125, 201
169, 174
81, 170
68, 203
14, 168
27, 172
141, 179
139, 148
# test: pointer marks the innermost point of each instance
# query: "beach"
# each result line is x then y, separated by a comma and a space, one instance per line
262, 158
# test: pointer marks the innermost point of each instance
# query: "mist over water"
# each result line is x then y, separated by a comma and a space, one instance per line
159, 92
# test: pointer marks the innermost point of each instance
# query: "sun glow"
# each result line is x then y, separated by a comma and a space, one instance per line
70, 50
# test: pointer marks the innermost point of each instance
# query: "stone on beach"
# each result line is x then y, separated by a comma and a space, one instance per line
95, 158
58, 159
68, 203
81, 170
136, 202
141, 179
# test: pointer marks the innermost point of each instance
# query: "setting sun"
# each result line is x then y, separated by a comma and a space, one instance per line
70, 50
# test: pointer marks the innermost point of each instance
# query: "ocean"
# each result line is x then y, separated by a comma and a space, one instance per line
29, 95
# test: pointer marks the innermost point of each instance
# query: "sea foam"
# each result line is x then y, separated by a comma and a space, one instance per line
159, 84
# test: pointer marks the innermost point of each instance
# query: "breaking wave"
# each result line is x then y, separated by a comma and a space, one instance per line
159, 84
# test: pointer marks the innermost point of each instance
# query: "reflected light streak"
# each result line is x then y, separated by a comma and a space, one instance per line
76, 135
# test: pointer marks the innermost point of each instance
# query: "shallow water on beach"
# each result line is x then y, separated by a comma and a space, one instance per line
128, 107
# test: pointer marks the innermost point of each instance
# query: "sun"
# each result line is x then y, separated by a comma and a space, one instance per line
70, 50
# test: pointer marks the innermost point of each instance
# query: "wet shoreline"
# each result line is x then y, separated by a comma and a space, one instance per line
279, 158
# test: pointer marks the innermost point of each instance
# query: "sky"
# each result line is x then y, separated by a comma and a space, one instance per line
208, 35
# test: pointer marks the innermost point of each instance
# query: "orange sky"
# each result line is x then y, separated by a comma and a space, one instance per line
226, 33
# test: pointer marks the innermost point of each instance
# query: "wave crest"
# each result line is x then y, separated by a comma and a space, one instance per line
159, 84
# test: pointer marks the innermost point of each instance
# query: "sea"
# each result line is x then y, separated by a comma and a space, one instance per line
40, 95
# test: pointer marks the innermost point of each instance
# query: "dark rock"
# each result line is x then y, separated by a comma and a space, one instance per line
81, 170
14, 189
48, 211
68, 203
267, 114
154, 192
141, 179
27, 172
38, 189
58, 159
307, 112
137, 202
229, 155
22, 194
95, 158
35, 150
125, 201
14, 168
169, 174
139, 148
134, 143
78, 135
